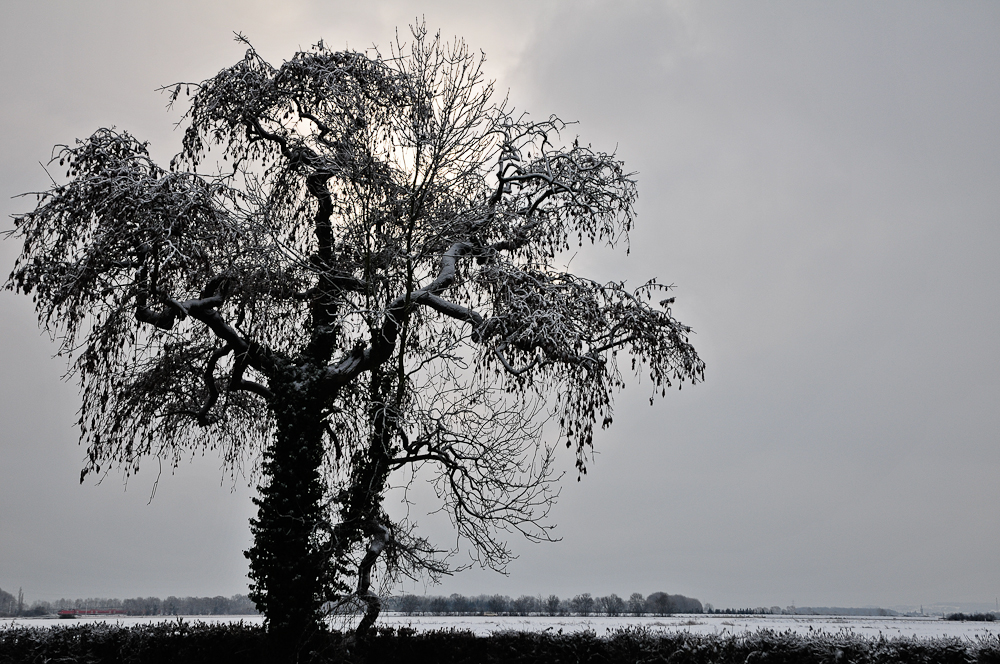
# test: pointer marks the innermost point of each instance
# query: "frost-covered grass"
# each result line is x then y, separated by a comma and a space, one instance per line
601, 625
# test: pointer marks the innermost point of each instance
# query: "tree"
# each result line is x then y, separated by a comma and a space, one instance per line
660, 604
552, 603
409, 604
439, 606
367, 284
498, 604
8, 603
460, 604
524, 605
582, 604
637, 604
611, 605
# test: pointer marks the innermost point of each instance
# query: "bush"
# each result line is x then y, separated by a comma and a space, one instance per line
197, 643
158, 643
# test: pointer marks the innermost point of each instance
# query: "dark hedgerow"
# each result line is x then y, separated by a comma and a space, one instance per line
164, 642
197, 643
981, 617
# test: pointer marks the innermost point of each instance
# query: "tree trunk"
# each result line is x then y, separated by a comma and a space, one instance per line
373, 605
287, 566
362, 514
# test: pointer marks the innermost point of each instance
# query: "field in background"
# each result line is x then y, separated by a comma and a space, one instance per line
694, 623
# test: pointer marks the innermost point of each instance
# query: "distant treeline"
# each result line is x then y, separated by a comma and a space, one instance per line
804, 611
979, 617
658, 603
236, 605
840, 611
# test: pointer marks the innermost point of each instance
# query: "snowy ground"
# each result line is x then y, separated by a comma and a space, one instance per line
697, 624
707, 624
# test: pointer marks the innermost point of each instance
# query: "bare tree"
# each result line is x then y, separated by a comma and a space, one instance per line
525, 605
439, 606
637, 604
583, 604
551, 605
460, 604
7, 603
365, 284
611, 605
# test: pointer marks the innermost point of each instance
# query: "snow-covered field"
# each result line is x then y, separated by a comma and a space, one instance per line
707, 624
696, 624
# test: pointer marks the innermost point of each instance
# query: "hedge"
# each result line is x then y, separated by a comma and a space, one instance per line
196, 643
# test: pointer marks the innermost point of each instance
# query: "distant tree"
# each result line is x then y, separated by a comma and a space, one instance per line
682, 604
524, 605
612, 605
141, 606
659, 603
8, 603
664, 604
498, 604
439, 606
409, 604
582, 604
39, 608
460, 604
368, 284
242, 605
637, 604
552, 603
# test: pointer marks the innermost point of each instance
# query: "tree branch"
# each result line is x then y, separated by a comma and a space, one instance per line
213, 389
237, 382
384, 341
205, 311
498, 351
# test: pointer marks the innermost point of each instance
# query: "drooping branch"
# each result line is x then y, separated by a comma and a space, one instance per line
206, 311
213, 390
498, 351
492, 475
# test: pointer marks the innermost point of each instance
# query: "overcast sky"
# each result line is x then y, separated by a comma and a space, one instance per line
821, 183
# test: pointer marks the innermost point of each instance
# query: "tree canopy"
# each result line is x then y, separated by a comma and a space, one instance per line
364, 281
